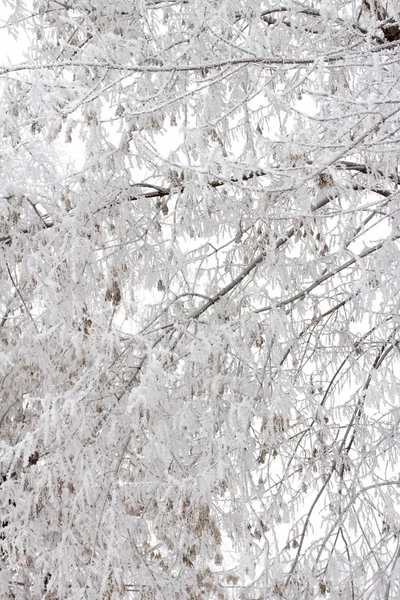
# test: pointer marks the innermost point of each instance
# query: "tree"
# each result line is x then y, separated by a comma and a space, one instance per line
200, 300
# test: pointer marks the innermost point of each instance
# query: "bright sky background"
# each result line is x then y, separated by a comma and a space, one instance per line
11, 49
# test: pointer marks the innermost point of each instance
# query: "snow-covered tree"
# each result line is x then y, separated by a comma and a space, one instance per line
199, 300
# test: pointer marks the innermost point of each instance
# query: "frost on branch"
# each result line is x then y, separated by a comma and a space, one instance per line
199, 301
